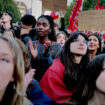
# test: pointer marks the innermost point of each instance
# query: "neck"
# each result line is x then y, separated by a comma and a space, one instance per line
93, 53
43, 39
98, 98
2, 94
77, 59
7, 25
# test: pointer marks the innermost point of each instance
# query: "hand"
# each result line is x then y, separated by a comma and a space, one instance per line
28, 78
24, 31
32, 49
1, 22
47, 45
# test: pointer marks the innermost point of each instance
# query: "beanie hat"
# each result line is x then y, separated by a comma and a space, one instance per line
9, 13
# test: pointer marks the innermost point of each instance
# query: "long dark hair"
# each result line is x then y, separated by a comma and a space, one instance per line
99, 50
51, 35
94, 69
73, 72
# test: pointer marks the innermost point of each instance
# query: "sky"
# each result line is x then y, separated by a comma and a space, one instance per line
69, 1
36, 6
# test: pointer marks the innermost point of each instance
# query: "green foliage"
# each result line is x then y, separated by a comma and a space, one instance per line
69, 9
90, 4
9, 5
87, 5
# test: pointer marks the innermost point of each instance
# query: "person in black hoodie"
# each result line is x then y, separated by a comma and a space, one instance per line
6, 23
28, 27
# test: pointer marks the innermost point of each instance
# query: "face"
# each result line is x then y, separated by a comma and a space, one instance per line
79, 46
100, 82
9, 33
43, 27
6, 65
61, 38
26, 27
93, 44
5, 17
56, 29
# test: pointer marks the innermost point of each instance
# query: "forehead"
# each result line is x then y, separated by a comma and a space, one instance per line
5, 13
43, 20
92, 37
5, 47
61, 34
81, 37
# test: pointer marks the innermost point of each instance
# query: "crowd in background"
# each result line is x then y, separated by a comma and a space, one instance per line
44, 64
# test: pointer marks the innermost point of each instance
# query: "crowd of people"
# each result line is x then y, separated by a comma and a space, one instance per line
43, 64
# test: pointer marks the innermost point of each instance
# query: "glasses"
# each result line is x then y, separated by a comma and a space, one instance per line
104, 69
79, 41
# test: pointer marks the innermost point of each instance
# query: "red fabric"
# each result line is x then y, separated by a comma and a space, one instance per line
103, 36
73, 19
52, 83
97, 6
102, 7
54, 15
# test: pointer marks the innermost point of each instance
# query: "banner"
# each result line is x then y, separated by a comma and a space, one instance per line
94, 19
54, 5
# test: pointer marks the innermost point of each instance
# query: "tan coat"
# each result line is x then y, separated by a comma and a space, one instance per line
97, 99
27, 102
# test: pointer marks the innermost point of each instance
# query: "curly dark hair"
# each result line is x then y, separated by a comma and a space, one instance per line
51, 35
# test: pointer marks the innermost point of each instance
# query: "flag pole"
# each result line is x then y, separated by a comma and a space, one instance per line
31, 4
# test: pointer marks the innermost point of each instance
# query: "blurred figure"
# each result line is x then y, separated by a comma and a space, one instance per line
11, 73
28, 23
64, 76
32, 88
94, 90
94, 45
6, 23
45, 49
9, 32
61, 38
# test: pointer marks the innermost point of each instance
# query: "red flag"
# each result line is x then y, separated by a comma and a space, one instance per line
102, 7
54, 14
97, 6
73, 19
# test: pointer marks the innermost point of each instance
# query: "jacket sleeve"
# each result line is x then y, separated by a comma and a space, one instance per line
34, 93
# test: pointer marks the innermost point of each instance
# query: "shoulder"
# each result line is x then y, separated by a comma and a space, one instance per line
55, 44
56, 68
57, 64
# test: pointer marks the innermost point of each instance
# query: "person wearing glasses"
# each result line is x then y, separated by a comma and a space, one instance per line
63, 77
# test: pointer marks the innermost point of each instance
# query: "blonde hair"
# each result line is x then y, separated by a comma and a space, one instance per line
25, 55
17, 87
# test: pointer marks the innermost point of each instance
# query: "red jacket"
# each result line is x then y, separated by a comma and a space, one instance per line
52, 83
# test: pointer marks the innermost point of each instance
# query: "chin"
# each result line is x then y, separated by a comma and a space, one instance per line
80, 54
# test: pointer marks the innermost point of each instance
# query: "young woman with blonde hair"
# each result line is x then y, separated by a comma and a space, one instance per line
11, 73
